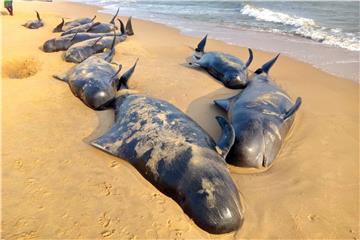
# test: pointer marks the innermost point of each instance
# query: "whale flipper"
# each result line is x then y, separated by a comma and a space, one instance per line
107, 142
61, 77
292, 110
223, 104
250, 58
227, 137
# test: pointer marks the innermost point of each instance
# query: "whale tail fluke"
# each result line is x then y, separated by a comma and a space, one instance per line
124, 79
293, 109
267, 66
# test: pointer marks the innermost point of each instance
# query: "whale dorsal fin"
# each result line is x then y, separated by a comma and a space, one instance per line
124, 79
97, 40
113, 19
201, 46
122, 28
59, 27
249, 61
38, 15
267, 66
292, 110
227, 137
115, 77
72, 39
129, 29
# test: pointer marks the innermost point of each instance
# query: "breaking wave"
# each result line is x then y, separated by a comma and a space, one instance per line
304, 27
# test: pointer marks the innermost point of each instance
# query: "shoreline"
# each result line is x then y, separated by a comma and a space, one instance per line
344, 63
55, 185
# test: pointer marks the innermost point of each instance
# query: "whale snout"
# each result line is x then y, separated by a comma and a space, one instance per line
98, 99
236, 80
49, 46
249, 147
215, 207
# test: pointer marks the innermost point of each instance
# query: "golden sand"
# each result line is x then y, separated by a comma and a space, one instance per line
55, 185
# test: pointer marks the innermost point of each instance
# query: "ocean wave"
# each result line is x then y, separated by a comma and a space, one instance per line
304, 27
276, 17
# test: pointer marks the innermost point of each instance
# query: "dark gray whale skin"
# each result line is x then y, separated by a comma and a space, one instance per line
226, 68
34, 24
82, 50
82, 28
63, 43
178, 157
65, 26
95, 81
261, 115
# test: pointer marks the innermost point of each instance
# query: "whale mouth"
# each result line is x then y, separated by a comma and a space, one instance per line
264, 162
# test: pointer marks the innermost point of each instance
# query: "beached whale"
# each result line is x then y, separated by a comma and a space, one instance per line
65, 26
178, 157
82, 50
34, 24
63, 43
226, 68
105, 27
82, 28
95, 81
261, 115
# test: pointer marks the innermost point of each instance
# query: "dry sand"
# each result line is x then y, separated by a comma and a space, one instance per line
55, 185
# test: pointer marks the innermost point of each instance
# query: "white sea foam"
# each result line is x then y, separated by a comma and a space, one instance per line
276, 17
305, 27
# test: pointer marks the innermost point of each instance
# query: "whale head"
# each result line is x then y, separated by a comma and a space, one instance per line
210, 197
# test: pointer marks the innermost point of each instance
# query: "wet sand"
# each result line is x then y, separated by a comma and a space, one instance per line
55, 185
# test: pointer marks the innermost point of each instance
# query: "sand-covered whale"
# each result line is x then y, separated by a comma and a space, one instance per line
34, 24
82, 50
261, 115
95, 81
226, 68
178, 157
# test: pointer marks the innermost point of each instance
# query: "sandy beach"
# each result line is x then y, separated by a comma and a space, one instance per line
56, 186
